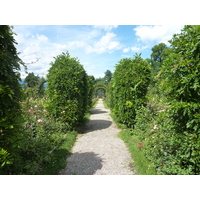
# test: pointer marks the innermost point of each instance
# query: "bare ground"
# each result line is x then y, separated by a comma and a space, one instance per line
99, 151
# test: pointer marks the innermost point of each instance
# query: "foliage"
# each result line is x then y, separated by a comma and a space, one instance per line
10, 96
100, 87
58, 157
67, 90
129, 87
108, 75
141, 163
43, 134
90, 91
31, 80
169, 126
180, 83
35, 86
158, 55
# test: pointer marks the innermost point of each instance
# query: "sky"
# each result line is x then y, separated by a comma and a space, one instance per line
97, 47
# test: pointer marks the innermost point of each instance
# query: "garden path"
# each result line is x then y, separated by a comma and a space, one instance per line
99, 151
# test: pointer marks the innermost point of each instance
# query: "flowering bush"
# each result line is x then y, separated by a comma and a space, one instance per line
42, 133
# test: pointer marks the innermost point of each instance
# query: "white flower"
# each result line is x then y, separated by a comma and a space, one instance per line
155, 127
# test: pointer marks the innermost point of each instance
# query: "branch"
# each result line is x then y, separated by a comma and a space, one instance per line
33, 62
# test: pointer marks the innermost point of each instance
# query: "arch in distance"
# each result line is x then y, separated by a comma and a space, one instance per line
100, 86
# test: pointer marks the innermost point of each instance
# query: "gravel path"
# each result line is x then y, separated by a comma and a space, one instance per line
99, 151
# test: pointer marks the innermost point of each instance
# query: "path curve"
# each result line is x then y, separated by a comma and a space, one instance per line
99, 151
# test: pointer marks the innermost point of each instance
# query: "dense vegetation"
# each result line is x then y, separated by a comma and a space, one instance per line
158, 99
128, 88
37, 126
166, 128
67, 90
11, 119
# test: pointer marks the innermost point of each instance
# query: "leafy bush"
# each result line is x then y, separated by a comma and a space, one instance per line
67, 89
41, 134
129, 87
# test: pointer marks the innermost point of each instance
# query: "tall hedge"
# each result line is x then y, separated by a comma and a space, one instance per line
10, 96
67, 89
180, 83
129, 87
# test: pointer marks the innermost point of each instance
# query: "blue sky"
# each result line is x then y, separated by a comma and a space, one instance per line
98, 47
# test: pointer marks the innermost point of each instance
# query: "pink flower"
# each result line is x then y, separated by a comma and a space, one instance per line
39, 120
30, 127
140, 145
34, 111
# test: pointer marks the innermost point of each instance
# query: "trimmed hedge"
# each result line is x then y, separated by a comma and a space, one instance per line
67, 90
128, 88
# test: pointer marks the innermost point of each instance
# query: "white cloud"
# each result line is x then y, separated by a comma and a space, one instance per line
33, 47
34, 43
80, 44
107, 43
135, 49
126, 50
158, 33
106, 27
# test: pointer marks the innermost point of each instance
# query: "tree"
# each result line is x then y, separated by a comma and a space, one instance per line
108, 75
32, 80
10, 96
35, 85
158, 55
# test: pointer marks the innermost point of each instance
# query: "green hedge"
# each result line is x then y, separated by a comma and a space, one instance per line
129, 87
67, 89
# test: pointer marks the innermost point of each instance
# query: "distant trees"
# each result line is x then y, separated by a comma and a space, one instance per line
31, 80
108, 76
34, 85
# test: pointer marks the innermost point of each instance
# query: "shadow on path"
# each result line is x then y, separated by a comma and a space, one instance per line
97, 111
97, 124
82, 164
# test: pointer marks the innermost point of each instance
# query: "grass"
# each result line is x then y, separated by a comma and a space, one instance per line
59, 156
94, 103
142, 165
